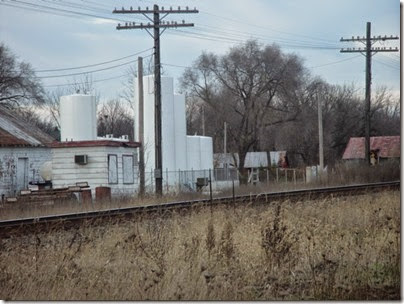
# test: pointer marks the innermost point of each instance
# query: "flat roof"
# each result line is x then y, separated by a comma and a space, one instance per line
95, 143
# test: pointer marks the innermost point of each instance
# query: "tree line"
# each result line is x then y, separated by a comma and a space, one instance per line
267, 98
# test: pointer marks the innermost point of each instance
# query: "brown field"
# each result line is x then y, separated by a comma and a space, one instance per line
331, 249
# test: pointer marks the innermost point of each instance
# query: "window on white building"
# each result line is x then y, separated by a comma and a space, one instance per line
128, 172
112, 169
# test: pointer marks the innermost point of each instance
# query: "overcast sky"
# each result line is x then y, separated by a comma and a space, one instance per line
64, 34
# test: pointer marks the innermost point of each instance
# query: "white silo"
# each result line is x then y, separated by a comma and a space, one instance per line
180, 127
78, 118
206, 150
193, 153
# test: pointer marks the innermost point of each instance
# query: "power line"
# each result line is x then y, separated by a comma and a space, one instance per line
92, 65
369, 50
93, 81
265, 28
38, 6
88, 72
335, 62
157, 23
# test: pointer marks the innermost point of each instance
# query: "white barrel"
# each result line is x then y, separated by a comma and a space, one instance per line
78, 118
206, 150
193, 153
45, 171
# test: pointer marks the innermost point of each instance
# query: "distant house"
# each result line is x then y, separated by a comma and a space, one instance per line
23, 150
381, 148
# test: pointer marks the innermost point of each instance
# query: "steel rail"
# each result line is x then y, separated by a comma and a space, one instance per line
252, 198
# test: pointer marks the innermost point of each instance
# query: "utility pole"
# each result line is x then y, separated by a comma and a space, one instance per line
141, 126
156, 24
368, 51
320, 134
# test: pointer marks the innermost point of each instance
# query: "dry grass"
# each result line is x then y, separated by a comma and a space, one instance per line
342, 174
341, 248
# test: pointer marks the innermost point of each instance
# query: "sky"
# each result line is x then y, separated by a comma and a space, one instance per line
64, 37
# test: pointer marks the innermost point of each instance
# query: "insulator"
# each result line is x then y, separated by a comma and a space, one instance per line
179, 8
183, 21
119, 24
123, 8
131, 8
147, 8
171, 8
187, 8
138, 8
126, 24
162, 8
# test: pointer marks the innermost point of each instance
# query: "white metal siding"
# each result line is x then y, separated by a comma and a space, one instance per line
66, 172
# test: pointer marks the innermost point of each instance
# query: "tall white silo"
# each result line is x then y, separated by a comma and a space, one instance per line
167, 123
78, 117
180, 127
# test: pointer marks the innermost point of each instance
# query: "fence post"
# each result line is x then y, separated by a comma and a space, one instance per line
167, 179
267, 177
294, 176
286, 175
277, 174
179, 181
210, 190
234, 197
193, 178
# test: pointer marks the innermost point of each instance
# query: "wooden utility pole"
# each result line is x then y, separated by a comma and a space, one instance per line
320, 134
156, 24
141, 126
368, 51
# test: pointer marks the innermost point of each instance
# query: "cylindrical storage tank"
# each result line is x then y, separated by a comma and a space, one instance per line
180, 127
45, 171
193, 153
167, 121
78, 118
206, 151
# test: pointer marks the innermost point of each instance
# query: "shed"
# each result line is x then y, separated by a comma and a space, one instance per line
252, 160
100, 163
386, 147
24, 148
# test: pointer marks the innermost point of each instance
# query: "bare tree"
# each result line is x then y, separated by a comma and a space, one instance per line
252, 87
18, 83
114, 118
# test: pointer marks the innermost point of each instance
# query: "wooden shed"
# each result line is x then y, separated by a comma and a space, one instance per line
383, 147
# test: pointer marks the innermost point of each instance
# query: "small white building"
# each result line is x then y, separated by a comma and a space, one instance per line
23, 150
100, 163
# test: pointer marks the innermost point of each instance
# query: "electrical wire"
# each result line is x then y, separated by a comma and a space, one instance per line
88, 72
93, 81
92, 65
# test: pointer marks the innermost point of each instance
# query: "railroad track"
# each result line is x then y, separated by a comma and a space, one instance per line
74, 218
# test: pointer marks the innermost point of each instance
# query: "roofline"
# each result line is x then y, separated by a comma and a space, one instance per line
95, 143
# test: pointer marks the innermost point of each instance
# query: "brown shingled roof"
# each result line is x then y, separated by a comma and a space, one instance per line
388, 146
15, 131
